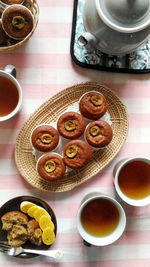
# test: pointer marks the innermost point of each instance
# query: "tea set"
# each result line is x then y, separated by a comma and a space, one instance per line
117, 29
114, 28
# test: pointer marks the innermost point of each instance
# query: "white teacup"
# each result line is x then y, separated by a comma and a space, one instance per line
104, 239
9, 74
122, 170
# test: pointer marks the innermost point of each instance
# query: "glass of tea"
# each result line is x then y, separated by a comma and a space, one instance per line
132, 181
101, 220
10, 93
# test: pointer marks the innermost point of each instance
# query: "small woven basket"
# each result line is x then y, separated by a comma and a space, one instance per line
34, 8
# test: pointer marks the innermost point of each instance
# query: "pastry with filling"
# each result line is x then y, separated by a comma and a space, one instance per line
77, 153
17, 21
44, 138
93, 105
17, 236
98, 133
34, 232
13, 217
51, 166
15, 223
71, 125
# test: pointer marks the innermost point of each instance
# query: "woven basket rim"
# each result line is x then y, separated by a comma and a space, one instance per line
48, 112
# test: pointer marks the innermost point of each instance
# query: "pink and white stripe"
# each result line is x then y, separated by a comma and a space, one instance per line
44, 67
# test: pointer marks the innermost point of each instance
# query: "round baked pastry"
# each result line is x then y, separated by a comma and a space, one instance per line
13, 217
71, 125
77, 153
93, 105
17, 236
3, 36
51, 166
12, 2
17, 21
98, 133
34, 232
44, 138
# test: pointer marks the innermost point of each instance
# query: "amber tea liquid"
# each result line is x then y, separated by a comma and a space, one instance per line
8, 96
134, 179
100, 217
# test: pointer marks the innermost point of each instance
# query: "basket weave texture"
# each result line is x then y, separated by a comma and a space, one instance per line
49, 112
34, 8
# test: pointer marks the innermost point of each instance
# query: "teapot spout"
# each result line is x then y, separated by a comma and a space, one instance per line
87, 40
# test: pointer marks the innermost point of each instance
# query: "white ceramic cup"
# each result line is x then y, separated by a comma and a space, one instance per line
9, 73
98, 240
134, 202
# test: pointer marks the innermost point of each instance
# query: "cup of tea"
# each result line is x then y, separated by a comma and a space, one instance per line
132, 180
101, 220
10, 93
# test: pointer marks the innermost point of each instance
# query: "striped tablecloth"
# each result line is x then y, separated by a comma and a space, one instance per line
44, 67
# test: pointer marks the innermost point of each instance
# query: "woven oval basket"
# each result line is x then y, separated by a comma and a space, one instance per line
49, 112
34, 8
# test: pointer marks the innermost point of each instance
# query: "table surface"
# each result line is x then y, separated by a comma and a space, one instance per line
44, 67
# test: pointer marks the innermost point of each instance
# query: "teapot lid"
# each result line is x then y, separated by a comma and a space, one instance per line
125, 15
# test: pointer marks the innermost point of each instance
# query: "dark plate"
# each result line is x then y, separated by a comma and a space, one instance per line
14, 204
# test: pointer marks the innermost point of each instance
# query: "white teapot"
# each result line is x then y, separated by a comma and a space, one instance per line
115, 26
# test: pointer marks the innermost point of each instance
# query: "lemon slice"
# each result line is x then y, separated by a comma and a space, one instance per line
48, 236
45, 222
31, 210
25, 205
39, 212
